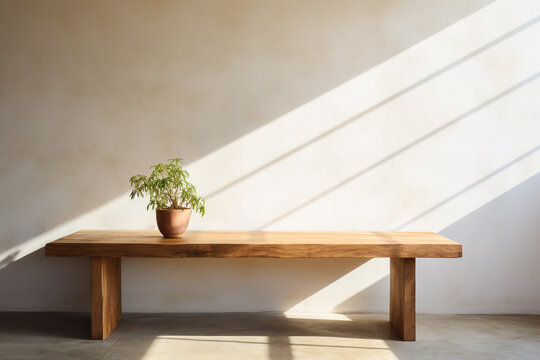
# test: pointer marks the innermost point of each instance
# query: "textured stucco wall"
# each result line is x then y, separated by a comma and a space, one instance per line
291, 115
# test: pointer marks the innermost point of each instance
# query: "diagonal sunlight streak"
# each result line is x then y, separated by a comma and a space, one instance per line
254, 340
378, 105
467, 188
89, 220
401, 150
258, 345
343, 288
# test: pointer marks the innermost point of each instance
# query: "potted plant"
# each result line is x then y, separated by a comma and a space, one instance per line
171, 195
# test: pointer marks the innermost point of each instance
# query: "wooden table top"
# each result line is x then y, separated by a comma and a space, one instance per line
272, 244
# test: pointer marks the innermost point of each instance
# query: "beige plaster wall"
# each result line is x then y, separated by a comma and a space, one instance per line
291, 115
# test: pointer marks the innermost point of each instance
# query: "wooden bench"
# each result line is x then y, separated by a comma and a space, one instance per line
106, 248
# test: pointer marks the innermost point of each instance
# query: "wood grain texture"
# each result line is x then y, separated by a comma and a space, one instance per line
403, 297
106, 296
275, 244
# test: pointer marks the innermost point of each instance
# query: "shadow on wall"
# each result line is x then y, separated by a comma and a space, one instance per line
379, 289
500, 251
237, 285
36, 282
95, 92
489, 255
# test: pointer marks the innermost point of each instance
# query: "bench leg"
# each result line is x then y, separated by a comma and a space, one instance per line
402, 297
106, 296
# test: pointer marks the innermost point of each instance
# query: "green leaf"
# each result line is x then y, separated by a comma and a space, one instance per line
167, 186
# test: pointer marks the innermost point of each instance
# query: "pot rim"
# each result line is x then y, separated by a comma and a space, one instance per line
183, 209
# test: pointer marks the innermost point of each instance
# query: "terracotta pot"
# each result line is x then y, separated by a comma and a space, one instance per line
172, 222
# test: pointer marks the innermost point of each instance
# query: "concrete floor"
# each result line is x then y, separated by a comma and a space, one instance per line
268, 336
